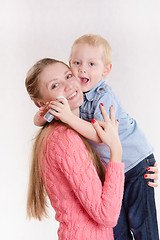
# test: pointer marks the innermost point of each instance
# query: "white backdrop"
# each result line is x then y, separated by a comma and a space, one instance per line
34, 29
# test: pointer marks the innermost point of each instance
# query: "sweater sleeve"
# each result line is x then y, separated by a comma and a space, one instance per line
102, 203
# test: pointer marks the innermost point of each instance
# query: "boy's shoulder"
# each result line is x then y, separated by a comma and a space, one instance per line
102, 89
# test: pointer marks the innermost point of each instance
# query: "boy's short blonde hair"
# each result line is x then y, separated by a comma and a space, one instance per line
95, 41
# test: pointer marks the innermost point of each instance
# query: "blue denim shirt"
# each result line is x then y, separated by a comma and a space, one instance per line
134, 143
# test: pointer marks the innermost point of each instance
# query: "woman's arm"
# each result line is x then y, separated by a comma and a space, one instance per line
68, 152
102, 203
38, 119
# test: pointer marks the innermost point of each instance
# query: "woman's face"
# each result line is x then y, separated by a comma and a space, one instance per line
57, 80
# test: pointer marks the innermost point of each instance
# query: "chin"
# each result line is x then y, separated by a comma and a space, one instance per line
86, 88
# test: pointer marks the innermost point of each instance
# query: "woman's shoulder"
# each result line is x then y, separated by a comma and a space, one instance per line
64, 141
63, 134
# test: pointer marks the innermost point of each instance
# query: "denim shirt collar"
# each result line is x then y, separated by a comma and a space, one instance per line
99, 88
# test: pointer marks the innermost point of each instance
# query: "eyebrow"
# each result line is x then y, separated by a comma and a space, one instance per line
67, 71
55, 79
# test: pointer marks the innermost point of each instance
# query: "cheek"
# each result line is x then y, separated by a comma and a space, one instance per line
76, 81
74, 71
51, 96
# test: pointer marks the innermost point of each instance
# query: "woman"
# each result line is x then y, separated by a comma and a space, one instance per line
87, 200
87, 203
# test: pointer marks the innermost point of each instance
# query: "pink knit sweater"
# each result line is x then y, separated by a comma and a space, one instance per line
85, 209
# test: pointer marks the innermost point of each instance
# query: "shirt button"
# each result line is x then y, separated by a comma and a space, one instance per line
101, 89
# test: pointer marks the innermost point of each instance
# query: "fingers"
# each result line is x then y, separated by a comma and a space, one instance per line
56, 105
98, 125
153, 184
44, 107
155, 165
61, 98
104, 113
152, 176
153, 169
112, 116
60, 108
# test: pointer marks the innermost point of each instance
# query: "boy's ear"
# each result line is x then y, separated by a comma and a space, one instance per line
39, 103
107, 69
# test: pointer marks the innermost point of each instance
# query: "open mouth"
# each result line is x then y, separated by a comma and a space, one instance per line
84, 80
72, 95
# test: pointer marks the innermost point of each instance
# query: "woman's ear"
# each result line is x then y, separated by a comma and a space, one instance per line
39, 103
107, 69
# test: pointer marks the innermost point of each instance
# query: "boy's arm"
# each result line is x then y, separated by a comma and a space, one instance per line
38, 119
83, 127
64, 113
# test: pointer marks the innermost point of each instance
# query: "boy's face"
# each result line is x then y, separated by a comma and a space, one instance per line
87, 64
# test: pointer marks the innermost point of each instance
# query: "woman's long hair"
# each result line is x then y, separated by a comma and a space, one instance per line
37, 197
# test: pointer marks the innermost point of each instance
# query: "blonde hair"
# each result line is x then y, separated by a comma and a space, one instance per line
37, 197
95, 41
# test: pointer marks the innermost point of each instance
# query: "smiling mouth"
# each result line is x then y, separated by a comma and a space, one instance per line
72, 95
84, 80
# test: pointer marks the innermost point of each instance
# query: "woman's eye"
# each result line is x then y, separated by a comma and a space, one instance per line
54, 86
69, 76
91, 64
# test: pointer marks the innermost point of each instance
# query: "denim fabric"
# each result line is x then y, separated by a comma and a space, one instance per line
134, 143
138, 212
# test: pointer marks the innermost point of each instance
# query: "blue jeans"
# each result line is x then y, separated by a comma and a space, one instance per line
138, 212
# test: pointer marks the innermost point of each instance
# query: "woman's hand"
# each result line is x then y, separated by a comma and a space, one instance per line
153, 176
107, 131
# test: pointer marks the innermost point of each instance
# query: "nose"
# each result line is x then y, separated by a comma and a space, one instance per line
82, 69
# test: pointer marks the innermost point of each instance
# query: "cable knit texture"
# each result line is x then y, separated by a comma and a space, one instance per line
85, 209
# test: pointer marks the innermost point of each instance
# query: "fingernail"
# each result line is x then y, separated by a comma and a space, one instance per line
102, 104
117, 120
111, 106
148, 168
145, 175
93, 121
148, 183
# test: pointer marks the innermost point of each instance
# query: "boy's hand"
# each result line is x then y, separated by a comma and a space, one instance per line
38, 118
43, 109
62, 110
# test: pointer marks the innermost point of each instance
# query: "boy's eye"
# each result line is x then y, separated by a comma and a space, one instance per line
54, 85
76, 63
91, 64
69, 76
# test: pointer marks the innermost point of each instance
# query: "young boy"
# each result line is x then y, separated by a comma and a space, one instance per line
91, 62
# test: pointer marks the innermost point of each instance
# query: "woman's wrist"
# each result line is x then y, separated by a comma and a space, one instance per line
116, 153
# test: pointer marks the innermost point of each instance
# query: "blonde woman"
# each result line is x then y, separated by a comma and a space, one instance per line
86, 198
